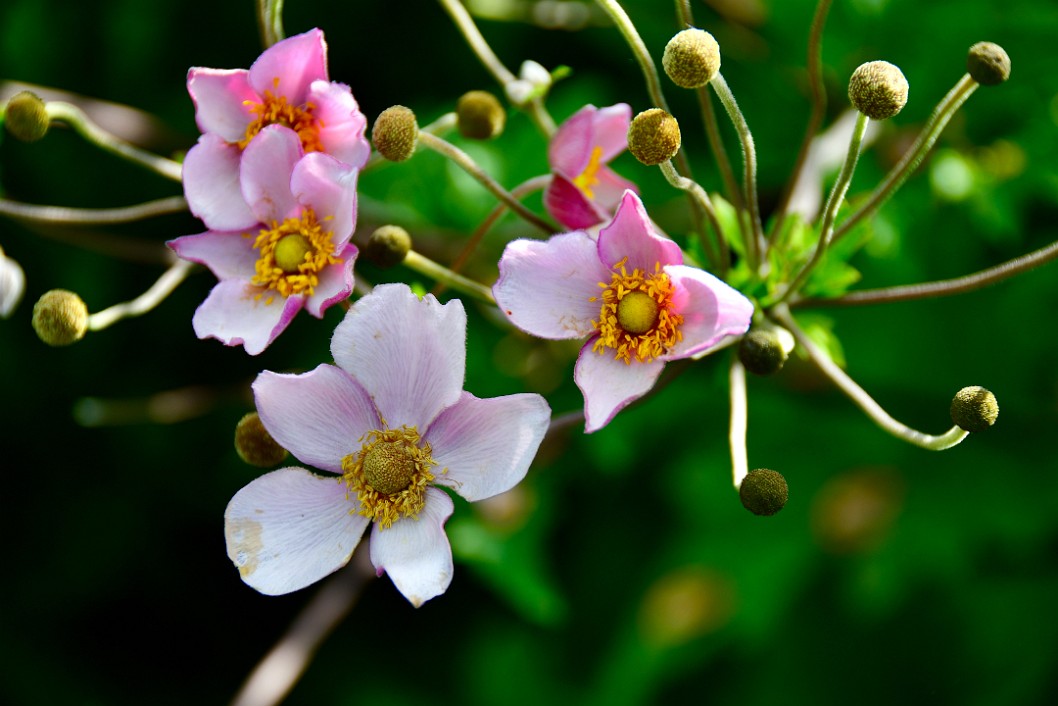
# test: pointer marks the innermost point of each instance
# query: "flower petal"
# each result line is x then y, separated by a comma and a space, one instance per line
610, 129
228, 255
487, 445
609, 385
328, 187
415, 551
632, 235
545, 288
336, 283
570, 149
267, 164
409, 353
211, 184
289, 67
711, 310
290, 528
609, 189
341, 124
569, 206
221, 98
319, 416
233, 314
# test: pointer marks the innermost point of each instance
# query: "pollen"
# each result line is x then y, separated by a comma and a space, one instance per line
275, 110
587, 178
292, 254
637, 318
389, 474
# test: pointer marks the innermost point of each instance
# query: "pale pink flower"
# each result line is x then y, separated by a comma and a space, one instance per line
296, 254
583, 190
12, 285
629, 292
288, 86
388, 425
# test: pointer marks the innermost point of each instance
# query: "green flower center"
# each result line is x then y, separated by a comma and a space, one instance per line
290, 252
637, 312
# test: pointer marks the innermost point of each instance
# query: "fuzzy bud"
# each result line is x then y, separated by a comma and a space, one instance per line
761, 351
654, 137
763, 492
988, 64
255, 445
388, 246
878, 90
974, 409
26, 117
692, 58
479, 115
395, 133
60, 318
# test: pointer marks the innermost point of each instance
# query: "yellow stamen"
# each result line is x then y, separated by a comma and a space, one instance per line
636, 318
292, 255
274, 110
587, 179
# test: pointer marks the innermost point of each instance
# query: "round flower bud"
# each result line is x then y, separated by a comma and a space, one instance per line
692, 58
763, 492
255, 445
878, 90
654, 137
479, 115
974, 409
388, 246
26, 117
60, 318
988, 64
395, 133
761, 351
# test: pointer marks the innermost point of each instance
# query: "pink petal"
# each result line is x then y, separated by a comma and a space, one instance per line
319, 416
631, 235
487, 445
545, 288
609, 385
233, 314
610, 129
342, 125
228, 255
211, 185
608, 191
415, 551
570, 149
409, 353
569, 206
288, 67
711, 310
328, 187
290, 528
336, 283
267, 164
222, 98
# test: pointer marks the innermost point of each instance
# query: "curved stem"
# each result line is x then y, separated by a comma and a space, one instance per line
699, 195
428, 267
79, 121
737, 432
270, 21
161, 289
860, 398
92, 216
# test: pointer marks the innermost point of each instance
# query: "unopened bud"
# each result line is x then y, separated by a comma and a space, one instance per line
654, 137
60, 318
26, 117
988, 64
388, 246
761, 351
878, 90
480, 116
763, 492
255, 445
974, 409
395, 133
692, 58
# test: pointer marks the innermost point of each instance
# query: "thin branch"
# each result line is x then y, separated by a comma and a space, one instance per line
92, 216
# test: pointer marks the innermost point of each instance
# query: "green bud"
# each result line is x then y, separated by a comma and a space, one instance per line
654, 137
878, 90
388, 246
692, 58
480, 116
763, 492
255, 445
60, 318
761, 351
395, 133
988, 64
974, 409
26, 117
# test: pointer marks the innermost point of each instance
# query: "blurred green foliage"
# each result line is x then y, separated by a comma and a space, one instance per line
624, 570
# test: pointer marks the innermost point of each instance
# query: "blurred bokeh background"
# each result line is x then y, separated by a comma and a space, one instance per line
623, 570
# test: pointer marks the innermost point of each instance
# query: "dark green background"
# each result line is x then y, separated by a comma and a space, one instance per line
894, 575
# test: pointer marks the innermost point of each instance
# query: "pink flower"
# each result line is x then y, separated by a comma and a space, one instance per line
629, 293
392, 423
583, 190
296, 254
287, 86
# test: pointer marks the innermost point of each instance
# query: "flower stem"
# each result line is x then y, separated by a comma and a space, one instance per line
442, 274
699, 195
737, 433
92, 216
470, 167
76, 119
270, 21
161, 289
860, 398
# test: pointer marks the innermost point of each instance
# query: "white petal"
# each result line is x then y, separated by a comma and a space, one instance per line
233, 314
290, 528
415, 551
609, 385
